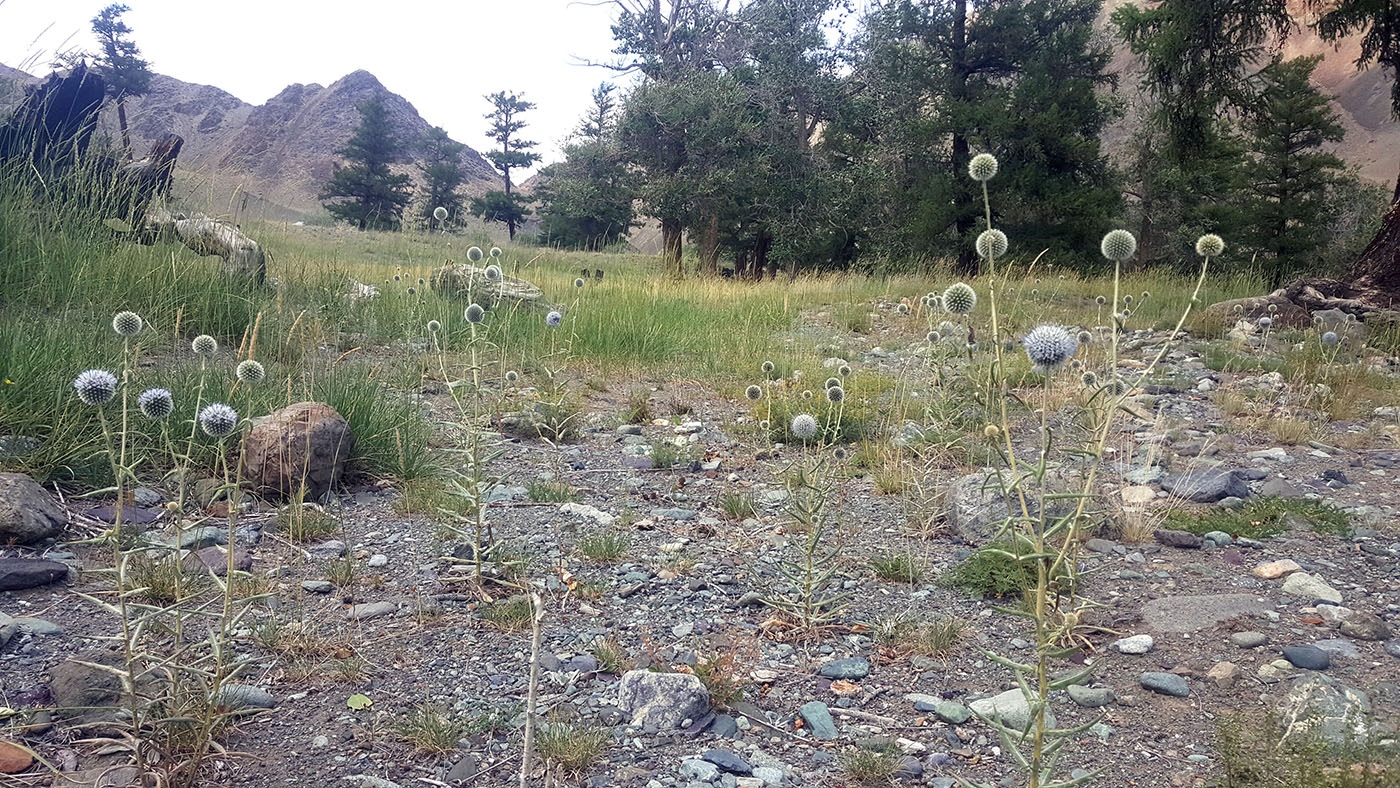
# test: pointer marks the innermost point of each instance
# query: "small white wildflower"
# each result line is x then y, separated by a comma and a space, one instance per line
983, 167
434, 326
1210, 245
753, 392
475, 313
127, 324
440, 213
205, 345
804, 426
493, 272
250, 371
1049, 347
474, 254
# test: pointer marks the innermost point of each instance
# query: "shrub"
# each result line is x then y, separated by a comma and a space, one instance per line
899, 567
989, 572
430, 730
1264, 518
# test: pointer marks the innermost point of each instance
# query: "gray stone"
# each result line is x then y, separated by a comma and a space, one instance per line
1249, 639
1279, 488
1010, 706
1206, 485
1339, 647
973, 505
20, 573
1137, 644
1165, 684
728, 762
674, 514
1219, 538
1171, 614
952, 712
1311, 588
1392, 647
818, 719
202, 537
317, 586
696, 769
38, 627
1184, 540
1307, 657
244, 696
331, 548
851, 668
28, 513
368, 610
1321, 707
909, 769
463, 770
1090, 697
770, 775
663, 700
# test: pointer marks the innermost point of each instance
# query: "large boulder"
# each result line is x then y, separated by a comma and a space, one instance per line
1206, 485
1320, 708
974, 506
470, 283
21, 573
305, 444
665, 700
1254, 307
28, 513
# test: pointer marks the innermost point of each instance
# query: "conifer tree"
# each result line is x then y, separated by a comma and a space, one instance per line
442, 174
515, 153
364, 191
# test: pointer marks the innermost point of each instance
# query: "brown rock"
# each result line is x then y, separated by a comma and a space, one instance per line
305, 444
27, 512
1224, 674
14, 759
215, 559
1276, 569
1255, 307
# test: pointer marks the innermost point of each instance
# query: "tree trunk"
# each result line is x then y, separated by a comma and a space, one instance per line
1378, 267
121, 121
963, 221
671, 246
709, 247
741, 263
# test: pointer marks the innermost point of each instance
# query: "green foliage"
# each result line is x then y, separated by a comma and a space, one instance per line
909, 635
991, 572
604, 546
866, 766
511, 615
1264, 518
571, 748
898, 567
364, 191
1251, 756
737, 505
431, 730
505, 206
442, 171
586, 200
305, 523
665, 454
501, 207
550, 492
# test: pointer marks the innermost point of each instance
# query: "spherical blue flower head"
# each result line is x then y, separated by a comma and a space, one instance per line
475, 254
475, 313
127, 324
553, 319
804, 426
218, 420
1330, 339
156, 404
1049, 347
95, 387
250, 371
959, 298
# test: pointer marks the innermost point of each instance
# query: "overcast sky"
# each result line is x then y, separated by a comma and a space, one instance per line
442, 56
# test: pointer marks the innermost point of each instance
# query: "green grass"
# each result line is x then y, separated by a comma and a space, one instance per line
431, 730
301, 523
665, 454
910, 635
550, 492
604, 546
897, 567
571, 748
990, 573
737, 505
870, 767
1251, 756
511, 615
1264, 518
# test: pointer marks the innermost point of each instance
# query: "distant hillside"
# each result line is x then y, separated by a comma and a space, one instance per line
269, 160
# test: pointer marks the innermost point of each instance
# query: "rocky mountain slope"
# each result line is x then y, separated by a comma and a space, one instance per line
268, 160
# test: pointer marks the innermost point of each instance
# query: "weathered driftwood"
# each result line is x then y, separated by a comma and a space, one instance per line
54, 123
469, 282
206, 235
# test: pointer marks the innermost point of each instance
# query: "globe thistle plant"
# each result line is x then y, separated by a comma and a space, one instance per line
804, 426
844, 371
1084, 337
1049, 347
1118, 245
440, 213
578, 282
806, 394
205, 345
156, 404
959, 298
835, 394
475, 313
1330, 339
768, 367
902, 308
1266, 321
933, 337
434, 326
127, 324
512, 376
1100, 300
495, 252
753, 392
553, 319
250, 372
95, 387
493, 273
474, 254
218, 420
833, 381
991, 244
598, 274
983, 167
1210, 245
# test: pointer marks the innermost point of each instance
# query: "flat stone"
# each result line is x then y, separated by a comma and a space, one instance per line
952, 712
1137, 644
818, 719
1338, 647
1165, 684
1249, 639
1090, 697
1271, 570
13, 760
727, 761
850, 668
1206, 485
368, 610
590, 512
20, 573
1311, 588
696, 769
1223, 674
245, 696
1307, 657
317, 586
1365, 626
1011, 707
331, 548
1184, 540
1171, 614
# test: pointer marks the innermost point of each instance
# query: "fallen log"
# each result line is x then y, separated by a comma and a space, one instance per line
206, 235
471, 283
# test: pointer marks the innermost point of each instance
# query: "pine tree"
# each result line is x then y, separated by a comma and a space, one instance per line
586, 200
1291, 177
442, 174
515, 153
118, 60
366, 192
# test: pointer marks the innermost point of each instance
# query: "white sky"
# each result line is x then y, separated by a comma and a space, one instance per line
442, 56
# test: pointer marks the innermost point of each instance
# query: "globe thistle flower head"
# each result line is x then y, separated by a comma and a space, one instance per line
959, 298
753, 392
844, 371
1084, 337
1118, 245
1330, 339
411, 291
250, 371
1273, 308
768, 367
839, 453
983, 167
205, 345
1089, 379
475, 313
474, 254
127, 324
1035, 291
992, 244
1210, 245
1239, 307
933, 337
1128, 299
833, 381
434, 326
553, 319
1146, 295
493, 273
763, 424
156, 404
218, 420
903, 309
1100, 300
578, 282
440, 213
397, 277
495, 252
806, 394
835, 394
1266, 321
804, 426
512, 376
991, 432
95, 387
1049, 347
